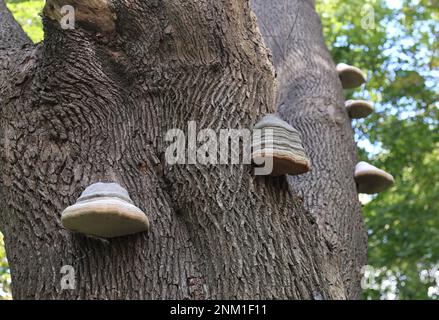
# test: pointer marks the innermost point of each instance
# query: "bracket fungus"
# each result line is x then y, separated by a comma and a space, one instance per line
105, 210
371, 180
351, 77
279, 141
359, 109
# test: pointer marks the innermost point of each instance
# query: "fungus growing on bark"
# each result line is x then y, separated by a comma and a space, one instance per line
279, 141
105, 210
359, 109
351, 77
371, 180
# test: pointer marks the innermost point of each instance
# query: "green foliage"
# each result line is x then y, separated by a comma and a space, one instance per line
400, 54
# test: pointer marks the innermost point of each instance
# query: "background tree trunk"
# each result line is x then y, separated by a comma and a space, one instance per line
94, 104
310, 98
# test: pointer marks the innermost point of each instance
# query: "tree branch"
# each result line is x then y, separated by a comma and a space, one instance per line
11, 33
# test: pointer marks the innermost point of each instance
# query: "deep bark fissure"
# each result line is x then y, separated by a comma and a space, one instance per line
94, 104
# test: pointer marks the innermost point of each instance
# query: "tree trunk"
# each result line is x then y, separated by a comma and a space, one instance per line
310, 98
94, 104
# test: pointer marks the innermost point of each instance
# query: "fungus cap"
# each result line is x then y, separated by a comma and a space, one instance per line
284, 148
371, 180
105, 210
100, 190
350, 76
359, 109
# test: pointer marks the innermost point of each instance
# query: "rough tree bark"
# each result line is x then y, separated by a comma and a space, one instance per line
94, 104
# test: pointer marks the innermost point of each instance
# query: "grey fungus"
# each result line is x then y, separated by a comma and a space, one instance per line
371, 180
105, 210
359, 109
350, 76
281, 142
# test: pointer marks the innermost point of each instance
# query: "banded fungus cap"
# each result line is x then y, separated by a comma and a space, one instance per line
105, 210
287, 152
359, 109
371, 180
350, 76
